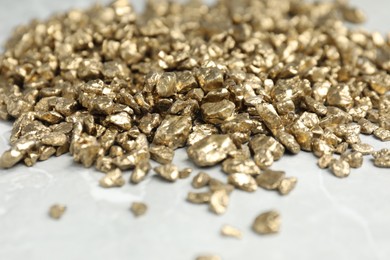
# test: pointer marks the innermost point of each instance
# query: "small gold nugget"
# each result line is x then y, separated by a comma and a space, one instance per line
138, 208
287, 185
168, 172
382, 158
185, 173
267, 223
270, 180
200, 180
243, 181
219, 201
112, 179
56, 211
230, 231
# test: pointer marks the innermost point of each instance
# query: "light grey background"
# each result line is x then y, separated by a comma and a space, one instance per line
324, 218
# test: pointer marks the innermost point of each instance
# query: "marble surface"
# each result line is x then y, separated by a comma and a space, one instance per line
323, 218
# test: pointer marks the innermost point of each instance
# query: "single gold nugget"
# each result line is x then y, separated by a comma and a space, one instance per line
382, 158
185, 173
230, 231
219, 201
168, 172
138, 208
211, 150
340, 168
267, 223
287, 185
270, 180
199, 197
56, 211
243, 181
112, 179
200, 180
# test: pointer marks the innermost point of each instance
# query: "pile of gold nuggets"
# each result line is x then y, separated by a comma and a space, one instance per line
239, 83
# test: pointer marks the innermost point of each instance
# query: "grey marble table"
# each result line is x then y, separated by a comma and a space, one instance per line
324, 218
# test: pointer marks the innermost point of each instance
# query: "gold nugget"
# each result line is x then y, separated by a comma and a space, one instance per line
219, 201
211, 150
112, 179
200, 180
168, 172
287, 185
270, 180
243, 181
138, 208
230, 231
267, 223
56, 211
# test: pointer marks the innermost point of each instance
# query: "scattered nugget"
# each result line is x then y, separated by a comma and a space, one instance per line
267, 223
230, 231
56, 211
287, 185
138, 208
